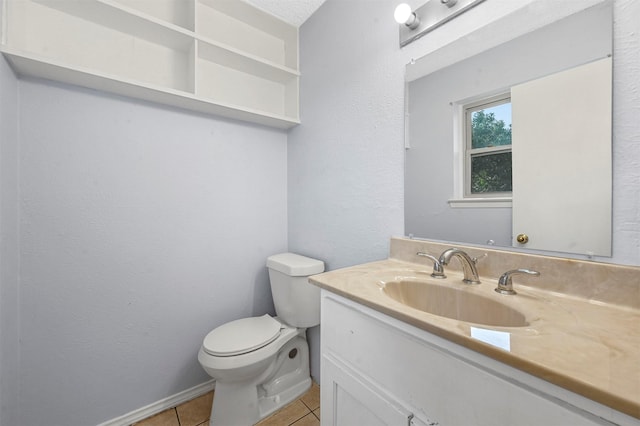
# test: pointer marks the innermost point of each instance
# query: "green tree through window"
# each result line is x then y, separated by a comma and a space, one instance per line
490, 153
487, 130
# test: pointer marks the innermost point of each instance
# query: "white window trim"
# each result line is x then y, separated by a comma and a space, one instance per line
495, 202
459, 199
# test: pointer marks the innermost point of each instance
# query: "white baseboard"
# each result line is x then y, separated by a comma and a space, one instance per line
163, 404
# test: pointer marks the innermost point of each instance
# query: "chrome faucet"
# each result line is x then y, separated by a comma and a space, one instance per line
505, 285
468, 264
438, 270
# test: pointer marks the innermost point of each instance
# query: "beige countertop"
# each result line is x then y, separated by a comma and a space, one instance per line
590, 347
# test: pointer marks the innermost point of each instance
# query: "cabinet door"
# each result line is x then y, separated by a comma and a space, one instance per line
348, 399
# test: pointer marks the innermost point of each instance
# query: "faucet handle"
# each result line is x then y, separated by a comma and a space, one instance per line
438, 270
505, 284
479, 258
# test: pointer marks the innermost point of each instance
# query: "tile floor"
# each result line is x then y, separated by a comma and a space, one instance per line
302, 412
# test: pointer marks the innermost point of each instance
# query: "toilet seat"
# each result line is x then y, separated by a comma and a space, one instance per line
241, 336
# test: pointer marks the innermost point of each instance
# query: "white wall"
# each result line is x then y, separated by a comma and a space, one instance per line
626, 134
142, 228
346, 158
9, 249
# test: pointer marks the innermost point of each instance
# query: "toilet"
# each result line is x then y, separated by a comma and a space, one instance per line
261, 363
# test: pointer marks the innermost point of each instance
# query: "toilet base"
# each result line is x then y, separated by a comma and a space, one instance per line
269, 405
245, 403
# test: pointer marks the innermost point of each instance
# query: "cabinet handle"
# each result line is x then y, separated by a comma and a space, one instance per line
522, 238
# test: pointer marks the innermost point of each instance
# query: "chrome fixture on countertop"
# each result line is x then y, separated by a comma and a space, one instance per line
438, 270
505, 285
468, 264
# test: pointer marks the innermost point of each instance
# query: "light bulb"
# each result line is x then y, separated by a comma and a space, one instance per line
402, 13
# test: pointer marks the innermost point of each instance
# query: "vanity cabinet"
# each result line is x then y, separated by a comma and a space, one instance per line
226, 58
377, 370
358, 401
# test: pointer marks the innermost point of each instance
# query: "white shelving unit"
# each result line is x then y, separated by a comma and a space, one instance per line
222, 57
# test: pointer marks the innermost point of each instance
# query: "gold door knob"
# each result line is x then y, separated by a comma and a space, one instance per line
522, 238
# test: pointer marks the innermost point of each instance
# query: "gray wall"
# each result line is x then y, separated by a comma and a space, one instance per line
9, 247
142, 228
346, 159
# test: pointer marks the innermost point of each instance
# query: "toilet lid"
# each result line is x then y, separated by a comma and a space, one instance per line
241, 336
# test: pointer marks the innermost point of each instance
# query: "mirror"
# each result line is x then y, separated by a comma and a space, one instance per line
434, 164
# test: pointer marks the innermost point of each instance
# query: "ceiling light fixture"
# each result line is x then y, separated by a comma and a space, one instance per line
431, 15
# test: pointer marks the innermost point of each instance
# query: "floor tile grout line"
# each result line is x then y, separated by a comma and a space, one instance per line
305, 414
177, 415
296, 420
306, 405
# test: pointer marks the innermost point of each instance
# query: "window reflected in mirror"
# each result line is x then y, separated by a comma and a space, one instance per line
488, 148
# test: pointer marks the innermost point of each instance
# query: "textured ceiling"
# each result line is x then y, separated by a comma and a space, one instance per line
294, 12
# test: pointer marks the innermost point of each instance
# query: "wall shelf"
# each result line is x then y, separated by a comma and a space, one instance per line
212, 56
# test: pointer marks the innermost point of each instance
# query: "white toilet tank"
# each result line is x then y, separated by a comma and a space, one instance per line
296, 301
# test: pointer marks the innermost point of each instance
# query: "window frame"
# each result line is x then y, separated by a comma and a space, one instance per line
470, 152
462, 198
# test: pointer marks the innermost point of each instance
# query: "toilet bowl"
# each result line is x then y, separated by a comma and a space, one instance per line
251, 382
261, 363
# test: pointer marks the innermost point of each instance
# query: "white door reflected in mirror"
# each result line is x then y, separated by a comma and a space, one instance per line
562, 170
